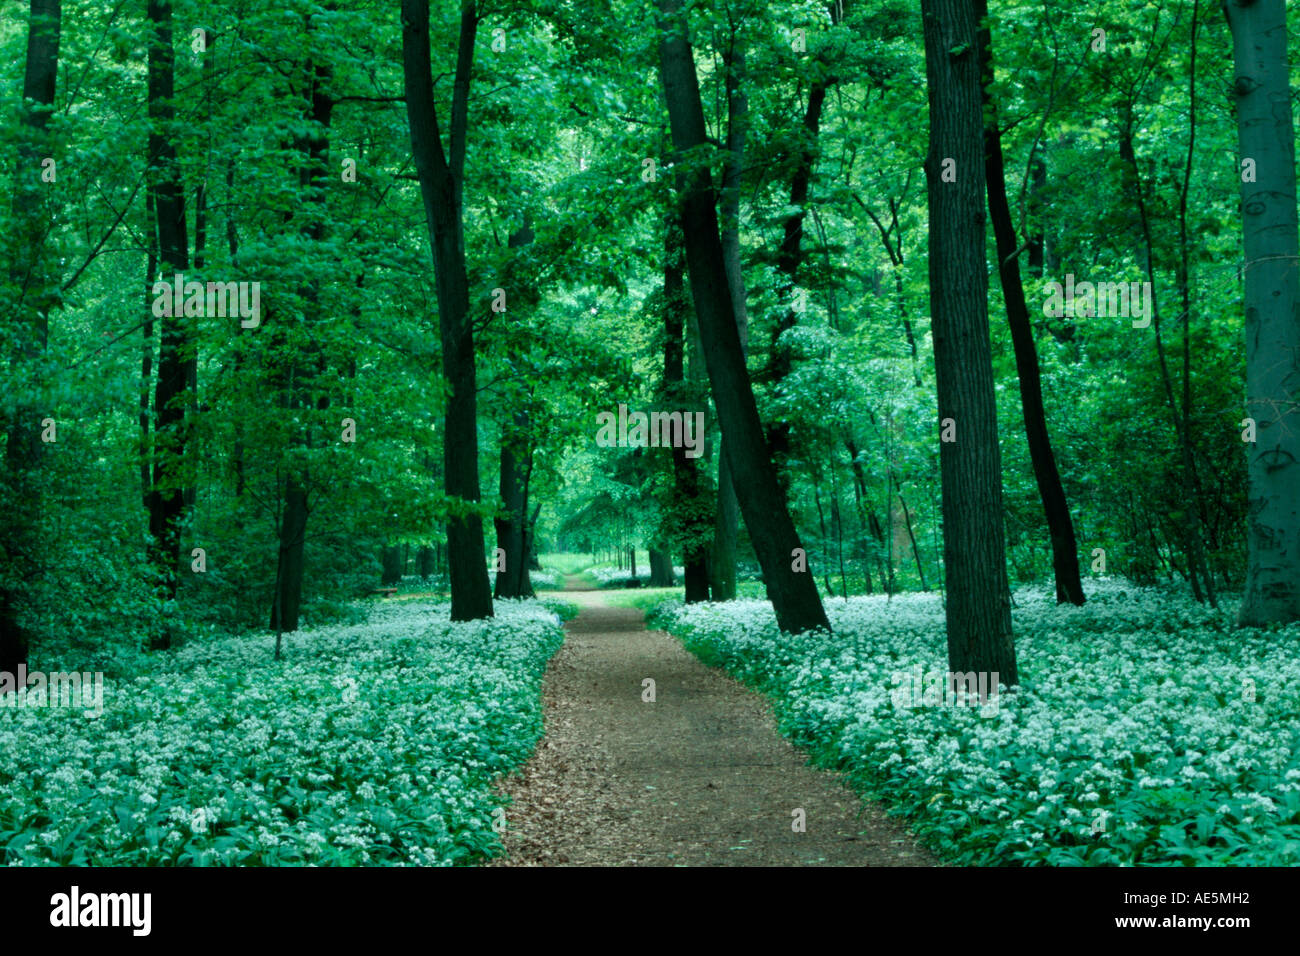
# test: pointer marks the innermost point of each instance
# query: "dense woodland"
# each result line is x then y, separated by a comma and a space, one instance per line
971, 299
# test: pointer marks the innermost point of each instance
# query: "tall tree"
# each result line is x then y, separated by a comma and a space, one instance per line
690, 510
722, 561
175, 355
304, 360
762, 504
441, 176
1060, 526
977, 605
791, 255
32, 293
1272, 243
515, 465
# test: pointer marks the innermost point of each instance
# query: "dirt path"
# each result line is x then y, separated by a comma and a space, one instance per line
698, 777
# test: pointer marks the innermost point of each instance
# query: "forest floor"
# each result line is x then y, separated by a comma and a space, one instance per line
700, 776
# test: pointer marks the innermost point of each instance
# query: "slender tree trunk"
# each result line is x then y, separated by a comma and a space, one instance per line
441, 178
688, 509
190, 491
1189, 531
838, 523
788, 260
978, 607
821, 525
722, 566
33, 288
790, 255
514, 581
232, 243
1192, 497
916, 551
762, 503
1037, 185
894, 249
306, 363
167, 495
530, 545
1265, 134
146, 345
391, 566
859, 501
1060, 526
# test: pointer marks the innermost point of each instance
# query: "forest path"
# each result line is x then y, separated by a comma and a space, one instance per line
698, 777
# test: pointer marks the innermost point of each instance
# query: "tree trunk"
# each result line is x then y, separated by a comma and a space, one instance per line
1192, 497
1060, 526
530, 545
978, 606
287, 601
821, 524
514, 581
1037, 185
661, 569
391, 562
1189, 529
911, 536
726, 529
859, 501
790, 255
762, 503
788, 260
689, 509
146, 345
838, 523
1265, 134
441, 180
167, 496
33, 288
305, 365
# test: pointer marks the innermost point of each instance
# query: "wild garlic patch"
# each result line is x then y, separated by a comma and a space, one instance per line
367, 744
1146, 728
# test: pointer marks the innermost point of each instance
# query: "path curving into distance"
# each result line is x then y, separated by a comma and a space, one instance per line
698, 777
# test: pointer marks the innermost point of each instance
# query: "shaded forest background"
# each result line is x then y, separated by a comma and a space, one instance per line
174, 475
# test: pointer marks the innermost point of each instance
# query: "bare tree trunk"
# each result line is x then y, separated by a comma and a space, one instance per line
978, 607
1265, 134
305, 363
661, 569
1060, 526
821, 524
688, 507
722, 564
167, 495
916, 551
838, 523
1192, 497
790, 255
33, 282
441, 179
762, 503
512, 534
859, 501
1189, 530
146, 345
